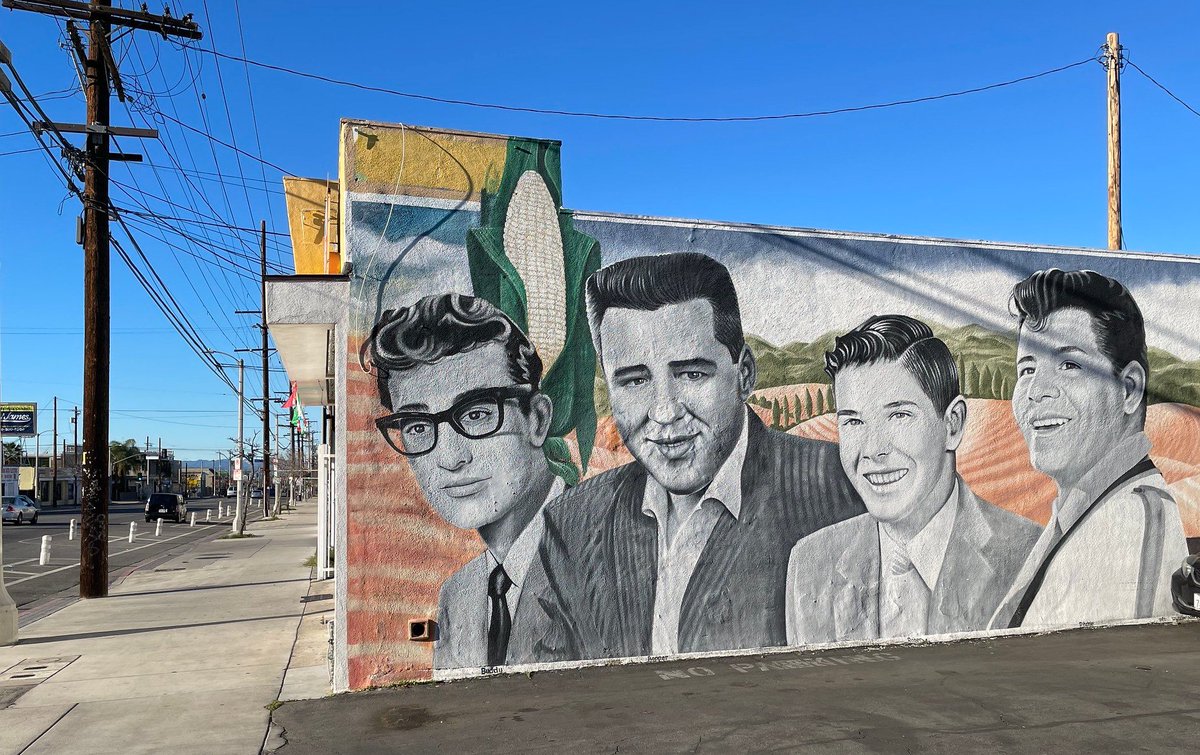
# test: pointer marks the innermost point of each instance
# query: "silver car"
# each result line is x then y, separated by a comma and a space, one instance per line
19, 509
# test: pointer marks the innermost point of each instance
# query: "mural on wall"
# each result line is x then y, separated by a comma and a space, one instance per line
581, 436
929, 557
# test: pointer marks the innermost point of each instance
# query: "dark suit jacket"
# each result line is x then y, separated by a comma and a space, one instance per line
590, 591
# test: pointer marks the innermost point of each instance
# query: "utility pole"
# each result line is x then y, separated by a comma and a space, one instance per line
239, 517
75, 426
100, 66
1112, 62
266, 380
54, 458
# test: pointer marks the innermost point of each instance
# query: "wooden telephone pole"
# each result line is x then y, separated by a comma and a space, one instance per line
100, 66
1112, 62
266, 381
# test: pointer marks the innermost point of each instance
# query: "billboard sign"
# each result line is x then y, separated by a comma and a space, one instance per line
18, 419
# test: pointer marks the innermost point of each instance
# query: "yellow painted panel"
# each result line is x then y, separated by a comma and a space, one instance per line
308, 201
391, 159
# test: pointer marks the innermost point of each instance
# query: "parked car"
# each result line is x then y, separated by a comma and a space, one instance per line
18, 509
230, 492
166, 506
256, 494
1185, 587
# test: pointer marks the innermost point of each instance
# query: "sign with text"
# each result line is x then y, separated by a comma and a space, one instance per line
18, 419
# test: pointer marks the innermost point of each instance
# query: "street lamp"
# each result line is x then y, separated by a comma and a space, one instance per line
37, 454
239, 517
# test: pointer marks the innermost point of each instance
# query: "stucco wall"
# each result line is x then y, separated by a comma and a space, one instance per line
800, 543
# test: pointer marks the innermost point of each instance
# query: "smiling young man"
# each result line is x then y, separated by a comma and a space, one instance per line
684, 549
461, 382
929, 557
1114, 535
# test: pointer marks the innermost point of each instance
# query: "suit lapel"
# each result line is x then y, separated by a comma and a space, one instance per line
708, 601
634, 540
855, 596
967, 576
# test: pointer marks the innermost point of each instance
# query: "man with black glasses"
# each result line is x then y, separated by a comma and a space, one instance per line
462, 383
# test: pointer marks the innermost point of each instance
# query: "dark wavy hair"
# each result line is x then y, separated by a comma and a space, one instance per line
652, 282
443, 325
903, 339
1116, 319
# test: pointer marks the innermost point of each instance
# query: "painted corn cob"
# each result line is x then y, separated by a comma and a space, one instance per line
533, 243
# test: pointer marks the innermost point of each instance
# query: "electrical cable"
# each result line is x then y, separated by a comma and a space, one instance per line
1156, 83
624, 117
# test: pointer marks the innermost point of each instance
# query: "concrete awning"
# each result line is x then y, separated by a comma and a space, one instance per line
302, 316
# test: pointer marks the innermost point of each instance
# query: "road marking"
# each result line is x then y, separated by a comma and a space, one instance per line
127, 550
780, 665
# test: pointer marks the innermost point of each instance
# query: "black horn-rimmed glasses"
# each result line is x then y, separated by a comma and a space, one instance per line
478, 414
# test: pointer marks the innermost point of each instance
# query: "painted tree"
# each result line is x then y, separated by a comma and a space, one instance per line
808, 404
820, 407
971, 384
997, 384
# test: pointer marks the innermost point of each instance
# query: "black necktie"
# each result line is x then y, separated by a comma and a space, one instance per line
500, 625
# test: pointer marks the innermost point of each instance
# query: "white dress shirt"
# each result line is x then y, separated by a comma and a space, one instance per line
1097, 574
682, 535
909, 572
464, 608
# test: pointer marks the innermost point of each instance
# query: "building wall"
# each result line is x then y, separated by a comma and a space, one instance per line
808, 558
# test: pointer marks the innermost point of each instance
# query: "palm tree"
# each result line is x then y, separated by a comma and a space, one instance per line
125, 457
13, 453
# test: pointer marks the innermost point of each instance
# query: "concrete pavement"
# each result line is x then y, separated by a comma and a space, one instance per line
1112, 690
185, 655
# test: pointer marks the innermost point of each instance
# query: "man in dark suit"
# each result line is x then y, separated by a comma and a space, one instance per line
685, 549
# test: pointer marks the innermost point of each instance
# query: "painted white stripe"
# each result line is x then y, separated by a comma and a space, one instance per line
404, 200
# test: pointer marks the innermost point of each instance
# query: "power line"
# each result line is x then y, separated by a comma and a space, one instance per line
1155, 82
625, 117
225, 144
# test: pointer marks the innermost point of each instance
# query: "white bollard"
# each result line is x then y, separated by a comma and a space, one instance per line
220, 510
71, 532
193, 524
158, 529
132, 530
207, 512
45, 557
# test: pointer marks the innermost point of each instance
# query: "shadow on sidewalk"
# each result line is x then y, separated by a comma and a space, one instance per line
208, 587
145, 630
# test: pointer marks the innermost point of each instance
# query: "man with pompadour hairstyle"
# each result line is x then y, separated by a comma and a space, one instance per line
684, 549
929, 557
1115, 535
462, 383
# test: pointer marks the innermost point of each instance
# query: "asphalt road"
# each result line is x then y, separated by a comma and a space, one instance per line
27, 581
1119, 690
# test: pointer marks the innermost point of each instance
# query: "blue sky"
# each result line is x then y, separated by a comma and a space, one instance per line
1021, 164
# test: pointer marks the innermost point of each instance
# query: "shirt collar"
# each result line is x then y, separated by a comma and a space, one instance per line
520, 555
1074, 500
927, 549
726, 485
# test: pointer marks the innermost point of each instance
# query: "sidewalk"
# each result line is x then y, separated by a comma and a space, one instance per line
185, 655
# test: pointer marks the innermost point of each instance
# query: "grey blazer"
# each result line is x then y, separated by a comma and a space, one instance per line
833, 575
591, 588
